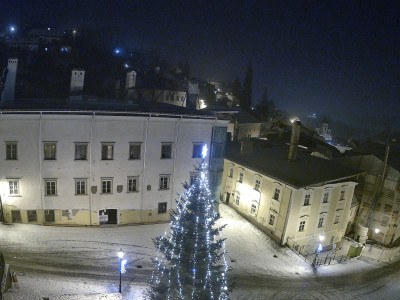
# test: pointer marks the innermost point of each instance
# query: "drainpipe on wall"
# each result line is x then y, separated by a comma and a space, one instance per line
40, 165
283, 239
174, 166
90, 169
146, 133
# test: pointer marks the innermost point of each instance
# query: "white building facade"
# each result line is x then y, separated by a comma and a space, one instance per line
90, 168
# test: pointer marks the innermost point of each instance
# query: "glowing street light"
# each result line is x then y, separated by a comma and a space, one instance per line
12, 29
121, 265
117, 51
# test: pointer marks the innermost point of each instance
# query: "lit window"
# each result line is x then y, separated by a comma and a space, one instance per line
237, 201
162, 207
106, 186
166, 151
50, 187
107, 151
321, 222
326, 197
307, 200
276, 194
342, 195
337, 219
197, 150
302, 225
50, 151
253, 209
134, 151
231, 173
11, 151
133, 184
164, 182
257, 185
240, 177
271, 220
80, 186
80, 151
14, 187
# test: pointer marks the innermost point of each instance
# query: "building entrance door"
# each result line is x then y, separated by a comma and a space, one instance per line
227, 198
108, 216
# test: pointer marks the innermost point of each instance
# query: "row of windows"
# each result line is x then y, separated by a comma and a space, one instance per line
321, 222
49, 215
50, 185
107, 151
307, 197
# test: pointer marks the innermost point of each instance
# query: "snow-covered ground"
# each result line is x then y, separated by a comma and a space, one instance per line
82, 263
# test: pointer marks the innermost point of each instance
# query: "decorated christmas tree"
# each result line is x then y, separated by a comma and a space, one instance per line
191, 255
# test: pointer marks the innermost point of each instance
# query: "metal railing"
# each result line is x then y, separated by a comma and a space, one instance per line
316, 259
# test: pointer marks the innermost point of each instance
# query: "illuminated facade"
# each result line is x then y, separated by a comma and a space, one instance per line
89, 168
301, 200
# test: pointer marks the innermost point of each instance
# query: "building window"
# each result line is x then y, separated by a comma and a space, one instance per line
162, 207
166, 151
14, 187
237, 201
133, 184
106, 185
164, 182
326, 197
50, 151
215, 178
80, 186
134, 150
302, 225
32, 217
231, 172
271, 220
11, 151
342, 195
193, 178
276, 194
107, 151
197, 149
257, 185
337, 219
253, 209
307, 200
80, 151
16, 216
240, 177
50, 187
49, 215
321, 222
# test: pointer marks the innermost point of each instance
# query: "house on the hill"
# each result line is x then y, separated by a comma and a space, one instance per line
379, 191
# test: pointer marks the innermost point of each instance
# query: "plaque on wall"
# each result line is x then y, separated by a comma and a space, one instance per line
94, 189
120, 188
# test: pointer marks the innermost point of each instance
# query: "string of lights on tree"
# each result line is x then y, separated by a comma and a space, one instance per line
191, 257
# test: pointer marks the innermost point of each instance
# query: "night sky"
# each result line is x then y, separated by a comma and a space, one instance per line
334, 58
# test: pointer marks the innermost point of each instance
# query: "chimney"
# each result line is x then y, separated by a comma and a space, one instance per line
7, 96
130, 80
246, 146
77, 81
294, 140
192, 99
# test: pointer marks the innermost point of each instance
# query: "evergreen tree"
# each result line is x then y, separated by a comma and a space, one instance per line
236, 91
191, 257
245, 102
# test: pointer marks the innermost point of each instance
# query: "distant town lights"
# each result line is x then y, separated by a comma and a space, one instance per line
117, 51
12, 29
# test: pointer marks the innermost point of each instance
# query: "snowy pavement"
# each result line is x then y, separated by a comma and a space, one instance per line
81, 263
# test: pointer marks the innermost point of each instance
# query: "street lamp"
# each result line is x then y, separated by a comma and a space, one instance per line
121, 256
376, 232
